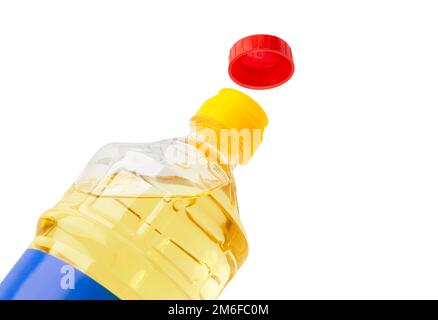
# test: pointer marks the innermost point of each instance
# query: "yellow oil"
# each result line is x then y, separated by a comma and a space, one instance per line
187, 245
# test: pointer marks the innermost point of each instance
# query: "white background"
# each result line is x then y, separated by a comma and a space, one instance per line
340, 201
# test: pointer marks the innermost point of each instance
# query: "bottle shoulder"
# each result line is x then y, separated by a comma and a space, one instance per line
171, 168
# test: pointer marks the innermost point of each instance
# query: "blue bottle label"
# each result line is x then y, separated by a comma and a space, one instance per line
40, 276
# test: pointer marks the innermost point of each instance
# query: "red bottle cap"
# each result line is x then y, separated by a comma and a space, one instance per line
260, 61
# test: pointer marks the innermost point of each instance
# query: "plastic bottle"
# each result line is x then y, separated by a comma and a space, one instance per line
149, 221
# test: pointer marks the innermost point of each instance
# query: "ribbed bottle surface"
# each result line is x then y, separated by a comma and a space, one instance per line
146, 227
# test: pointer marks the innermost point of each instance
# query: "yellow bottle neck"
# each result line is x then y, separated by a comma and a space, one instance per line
230, 126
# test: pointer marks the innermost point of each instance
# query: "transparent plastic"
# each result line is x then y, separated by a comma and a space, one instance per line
150, 221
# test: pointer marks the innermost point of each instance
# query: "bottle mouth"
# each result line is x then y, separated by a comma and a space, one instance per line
233, 123
233, 109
